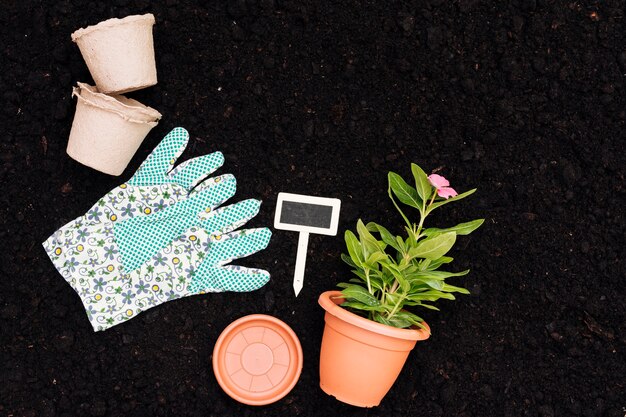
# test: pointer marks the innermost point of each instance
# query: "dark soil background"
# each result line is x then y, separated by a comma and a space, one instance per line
523, 99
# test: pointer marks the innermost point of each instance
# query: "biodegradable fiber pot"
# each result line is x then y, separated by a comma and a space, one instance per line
119, 53
361, 359
107, 130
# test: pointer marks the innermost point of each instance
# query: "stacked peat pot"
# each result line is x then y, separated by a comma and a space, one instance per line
108, 128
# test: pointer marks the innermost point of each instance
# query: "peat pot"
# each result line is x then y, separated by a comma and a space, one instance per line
107, 130
360, 359
119, 53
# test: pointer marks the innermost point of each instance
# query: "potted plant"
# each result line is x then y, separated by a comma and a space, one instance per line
369, 331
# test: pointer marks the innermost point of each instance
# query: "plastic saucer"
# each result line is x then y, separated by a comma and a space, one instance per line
257, 359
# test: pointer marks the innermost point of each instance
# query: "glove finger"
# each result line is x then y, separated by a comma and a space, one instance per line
191, 172
206, 197
211, 193
140, 238
229, 218
234, 278
211, 274
239, 244
161, 160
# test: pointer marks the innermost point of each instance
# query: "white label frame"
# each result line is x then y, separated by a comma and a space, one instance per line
334, 203
303, 238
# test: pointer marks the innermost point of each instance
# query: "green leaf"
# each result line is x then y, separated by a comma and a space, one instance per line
434, 264
433, 247
401, 320
434, 283
393, 298
459, 229
360, 294
363, 232
354, 248
405, 285
369, 243
452, 288
385, 235
375, 282
431, 295
380, 319
399, 323
424, 264
359, 273
408, 316
428, 306
409, 232
362, 306
405, 193
420, 325
409, 242
376, 258
451, 199
393, 322
440, 275
402, 247
387, 277
423, 186
348, 260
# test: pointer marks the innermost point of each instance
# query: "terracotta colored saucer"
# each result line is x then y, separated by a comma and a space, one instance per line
257, 359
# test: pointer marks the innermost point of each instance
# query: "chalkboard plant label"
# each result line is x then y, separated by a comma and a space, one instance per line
369, 331
306, 214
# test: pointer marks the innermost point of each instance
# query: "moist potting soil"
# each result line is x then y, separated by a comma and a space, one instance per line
523, 100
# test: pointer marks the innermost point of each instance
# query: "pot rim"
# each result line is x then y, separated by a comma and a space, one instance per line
121, 107
106, 24
325, 300
117, 102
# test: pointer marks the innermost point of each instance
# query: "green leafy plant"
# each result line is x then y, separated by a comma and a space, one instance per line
394, 272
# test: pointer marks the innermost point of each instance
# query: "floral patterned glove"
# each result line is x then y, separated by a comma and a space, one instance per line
157, 184
155, 238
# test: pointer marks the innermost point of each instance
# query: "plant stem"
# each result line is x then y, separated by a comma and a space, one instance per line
395, 308
418, 232
383, 294
432, 200
426, 211
367, 277
408, 223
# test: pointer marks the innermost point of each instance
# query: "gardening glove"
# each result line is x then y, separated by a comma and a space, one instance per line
196, 262
155, 186
101, 255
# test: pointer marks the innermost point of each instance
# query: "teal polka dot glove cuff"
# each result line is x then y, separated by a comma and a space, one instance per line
160, 236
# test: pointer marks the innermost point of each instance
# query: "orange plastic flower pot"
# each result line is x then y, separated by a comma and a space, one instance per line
361, 359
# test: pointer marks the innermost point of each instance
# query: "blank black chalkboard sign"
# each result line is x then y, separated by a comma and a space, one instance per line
306, 214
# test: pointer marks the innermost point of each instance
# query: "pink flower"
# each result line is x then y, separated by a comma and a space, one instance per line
438, 181
446, 192
442, 186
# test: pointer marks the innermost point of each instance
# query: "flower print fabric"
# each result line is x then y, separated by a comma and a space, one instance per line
159, 237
